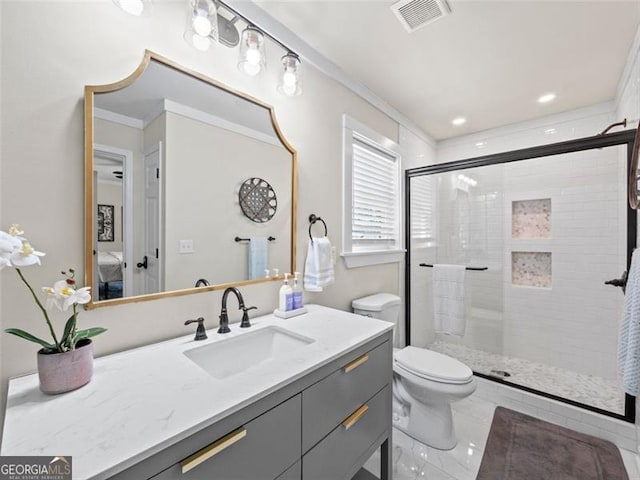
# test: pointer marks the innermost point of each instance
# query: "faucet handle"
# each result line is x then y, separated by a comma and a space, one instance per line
201, 334
245, 317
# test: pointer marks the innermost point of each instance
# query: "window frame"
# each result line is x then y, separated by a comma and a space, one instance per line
354, 130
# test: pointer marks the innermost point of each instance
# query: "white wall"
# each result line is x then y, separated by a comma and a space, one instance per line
43, 76
205, 167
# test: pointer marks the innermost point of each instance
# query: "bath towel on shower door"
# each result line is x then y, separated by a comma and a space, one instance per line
629, 345
258, 255
449, 299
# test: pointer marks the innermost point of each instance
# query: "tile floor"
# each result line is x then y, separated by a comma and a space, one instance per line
588, 389
472, 417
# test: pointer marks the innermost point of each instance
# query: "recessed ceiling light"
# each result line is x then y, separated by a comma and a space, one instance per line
550, 131
480, 144
546, 98
459, 121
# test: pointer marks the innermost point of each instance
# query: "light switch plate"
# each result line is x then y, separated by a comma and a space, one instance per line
186, 246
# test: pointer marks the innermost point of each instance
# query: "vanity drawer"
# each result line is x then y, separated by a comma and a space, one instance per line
261, 449
332, 399
340, 453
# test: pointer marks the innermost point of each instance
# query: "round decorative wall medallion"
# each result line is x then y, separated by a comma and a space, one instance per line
257, 200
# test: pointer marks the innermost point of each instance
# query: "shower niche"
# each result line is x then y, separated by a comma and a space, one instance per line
531, 220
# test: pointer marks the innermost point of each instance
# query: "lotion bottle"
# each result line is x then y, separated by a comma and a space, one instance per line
297, 292
285, 297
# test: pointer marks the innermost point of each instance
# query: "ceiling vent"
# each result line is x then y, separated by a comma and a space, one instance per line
415, 14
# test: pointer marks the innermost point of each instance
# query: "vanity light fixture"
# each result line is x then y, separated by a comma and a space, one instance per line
202, 24
290, 82
134, 7
252, 58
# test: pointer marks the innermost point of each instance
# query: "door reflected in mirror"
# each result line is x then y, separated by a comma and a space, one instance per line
168, 151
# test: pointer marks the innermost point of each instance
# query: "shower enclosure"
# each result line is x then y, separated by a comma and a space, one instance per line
540, 231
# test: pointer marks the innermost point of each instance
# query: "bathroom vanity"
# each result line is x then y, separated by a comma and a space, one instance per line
302, 398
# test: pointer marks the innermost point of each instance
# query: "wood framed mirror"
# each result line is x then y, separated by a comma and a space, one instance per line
166, 152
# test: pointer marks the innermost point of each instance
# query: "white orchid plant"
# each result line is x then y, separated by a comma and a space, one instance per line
16, 252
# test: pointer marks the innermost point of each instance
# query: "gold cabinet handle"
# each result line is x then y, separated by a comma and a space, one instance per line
356, 363
209, 451
351, 420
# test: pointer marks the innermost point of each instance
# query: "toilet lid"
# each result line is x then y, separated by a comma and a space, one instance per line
433, 365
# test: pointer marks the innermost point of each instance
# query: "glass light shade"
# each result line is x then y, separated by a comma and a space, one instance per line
134, 7
290, 82
252, 58
202, 24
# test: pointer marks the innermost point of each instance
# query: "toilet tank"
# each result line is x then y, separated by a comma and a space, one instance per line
384, 306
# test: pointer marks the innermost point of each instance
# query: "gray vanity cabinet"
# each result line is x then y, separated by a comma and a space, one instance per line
262, 448
323, 426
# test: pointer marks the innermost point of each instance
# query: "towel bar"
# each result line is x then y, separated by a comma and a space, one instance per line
238, 239
477, 269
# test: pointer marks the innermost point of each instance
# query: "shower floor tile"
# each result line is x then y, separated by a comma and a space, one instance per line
472, 418
587, 389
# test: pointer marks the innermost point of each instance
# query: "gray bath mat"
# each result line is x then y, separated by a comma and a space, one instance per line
521, 447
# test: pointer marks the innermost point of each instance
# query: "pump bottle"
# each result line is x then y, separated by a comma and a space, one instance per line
285, 297
297, 292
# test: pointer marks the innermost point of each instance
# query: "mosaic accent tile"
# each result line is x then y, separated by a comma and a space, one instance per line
531, 218
588, 389
531, 269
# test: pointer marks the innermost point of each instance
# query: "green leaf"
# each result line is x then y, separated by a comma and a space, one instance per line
27, 336
69, 327
88, 333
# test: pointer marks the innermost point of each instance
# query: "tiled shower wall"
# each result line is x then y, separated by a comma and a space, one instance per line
560, 312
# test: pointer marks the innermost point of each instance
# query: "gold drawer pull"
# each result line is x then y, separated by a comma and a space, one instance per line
351, 420
209, 451
356, 363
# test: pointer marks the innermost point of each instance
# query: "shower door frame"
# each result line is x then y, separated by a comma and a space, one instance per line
625, 137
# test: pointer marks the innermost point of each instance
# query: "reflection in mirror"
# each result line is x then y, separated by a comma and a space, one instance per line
168, 151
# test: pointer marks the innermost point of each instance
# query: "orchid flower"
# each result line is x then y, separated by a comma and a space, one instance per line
63, 295
25, 256
16, 251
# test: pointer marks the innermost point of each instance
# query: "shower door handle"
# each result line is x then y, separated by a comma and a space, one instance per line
619, 282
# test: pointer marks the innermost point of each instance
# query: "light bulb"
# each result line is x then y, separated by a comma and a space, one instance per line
289, 79
202, 25
253, 56
132, 7
251, 68
201, 43
289, 89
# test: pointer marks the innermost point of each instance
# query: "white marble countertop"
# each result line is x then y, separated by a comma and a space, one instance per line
141, 401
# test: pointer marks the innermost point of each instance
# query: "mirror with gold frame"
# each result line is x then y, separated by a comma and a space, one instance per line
167, 150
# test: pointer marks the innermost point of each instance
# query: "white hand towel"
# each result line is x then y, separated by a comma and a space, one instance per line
629, 344
318, 268
258, 256
449, 299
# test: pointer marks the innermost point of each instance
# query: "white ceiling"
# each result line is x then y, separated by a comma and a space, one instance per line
488, 61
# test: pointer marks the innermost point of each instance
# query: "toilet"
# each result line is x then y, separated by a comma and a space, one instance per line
425, 383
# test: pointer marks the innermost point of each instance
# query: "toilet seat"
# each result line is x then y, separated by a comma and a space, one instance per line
433, 366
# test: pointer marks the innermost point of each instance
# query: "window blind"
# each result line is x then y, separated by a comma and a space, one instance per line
374, 195
422, 208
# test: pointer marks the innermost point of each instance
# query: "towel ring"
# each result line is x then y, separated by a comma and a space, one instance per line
313, 219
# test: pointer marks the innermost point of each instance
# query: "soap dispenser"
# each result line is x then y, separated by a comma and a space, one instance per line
297, 292
285, 298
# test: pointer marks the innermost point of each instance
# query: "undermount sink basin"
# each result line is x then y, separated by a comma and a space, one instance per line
231, 356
